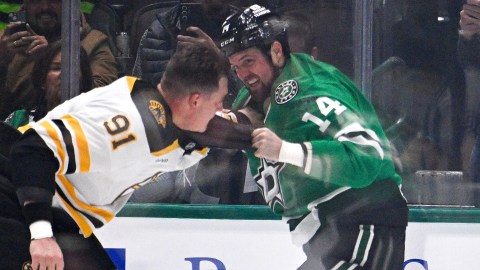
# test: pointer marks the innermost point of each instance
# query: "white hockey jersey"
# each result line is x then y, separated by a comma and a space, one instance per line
109, 142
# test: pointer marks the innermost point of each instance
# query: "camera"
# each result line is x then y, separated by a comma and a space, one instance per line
191, 14
17, 17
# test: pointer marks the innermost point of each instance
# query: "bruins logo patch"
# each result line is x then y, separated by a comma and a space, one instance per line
286, 91
158, 111
27, 266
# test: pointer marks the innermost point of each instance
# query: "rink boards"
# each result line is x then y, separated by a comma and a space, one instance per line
220, 237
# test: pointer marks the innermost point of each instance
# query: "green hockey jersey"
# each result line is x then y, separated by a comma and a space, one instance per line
315, 104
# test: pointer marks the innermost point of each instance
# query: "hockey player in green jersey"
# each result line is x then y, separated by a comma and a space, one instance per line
322, 160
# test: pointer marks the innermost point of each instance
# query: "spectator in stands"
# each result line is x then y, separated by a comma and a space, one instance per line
469, 58
46, 77
159, 40
469, 35
19, 50
300, 33
46, 82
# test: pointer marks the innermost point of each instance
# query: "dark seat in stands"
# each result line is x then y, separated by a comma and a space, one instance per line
143, 18
104, 18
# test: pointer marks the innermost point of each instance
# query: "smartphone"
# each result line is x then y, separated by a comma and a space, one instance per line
17, 17
191, 14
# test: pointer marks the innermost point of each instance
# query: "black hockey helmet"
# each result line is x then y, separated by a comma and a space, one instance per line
256, 26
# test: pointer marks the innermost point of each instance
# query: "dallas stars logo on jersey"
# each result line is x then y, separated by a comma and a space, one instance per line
267, 180
286, 91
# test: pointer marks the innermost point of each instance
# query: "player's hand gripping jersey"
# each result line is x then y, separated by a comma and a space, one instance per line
312, 103
108, 142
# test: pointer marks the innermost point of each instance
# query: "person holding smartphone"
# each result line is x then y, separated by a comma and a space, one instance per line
469, 34
27, 37
469, 17
19, 37
159, 40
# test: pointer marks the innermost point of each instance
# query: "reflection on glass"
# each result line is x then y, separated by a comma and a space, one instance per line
422, 99
425, 99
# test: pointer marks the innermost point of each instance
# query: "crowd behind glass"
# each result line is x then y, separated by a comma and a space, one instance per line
424, 85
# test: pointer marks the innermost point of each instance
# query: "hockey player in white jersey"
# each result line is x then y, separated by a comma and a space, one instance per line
89, 154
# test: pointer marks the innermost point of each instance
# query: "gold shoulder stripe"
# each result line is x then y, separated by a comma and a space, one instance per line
131, 81
56, 139
81, 141
167, 149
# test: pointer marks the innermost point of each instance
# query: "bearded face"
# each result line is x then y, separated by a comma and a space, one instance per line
44, 16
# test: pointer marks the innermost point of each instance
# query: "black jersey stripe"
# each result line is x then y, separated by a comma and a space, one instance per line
159, 128
364, 134
67, 139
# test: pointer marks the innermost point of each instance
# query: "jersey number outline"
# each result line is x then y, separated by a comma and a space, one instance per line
325, 105
118, 126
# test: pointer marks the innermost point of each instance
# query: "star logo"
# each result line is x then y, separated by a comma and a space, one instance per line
267, 180
286, 91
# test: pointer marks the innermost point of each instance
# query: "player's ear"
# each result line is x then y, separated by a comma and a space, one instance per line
194, 99
276, 51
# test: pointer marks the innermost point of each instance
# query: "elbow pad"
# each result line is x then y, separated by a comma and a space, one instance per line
33, 168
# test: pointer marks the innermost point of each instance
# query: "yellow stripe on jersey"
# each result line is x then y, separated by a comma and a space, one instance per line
83, 206
230, 116
203, 151
81, 141
56, 139
131, 82
167, 149
80, 219
24, 128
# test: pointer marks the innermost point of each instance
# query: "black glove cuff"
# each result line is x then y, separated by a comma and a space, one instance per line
37, 211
